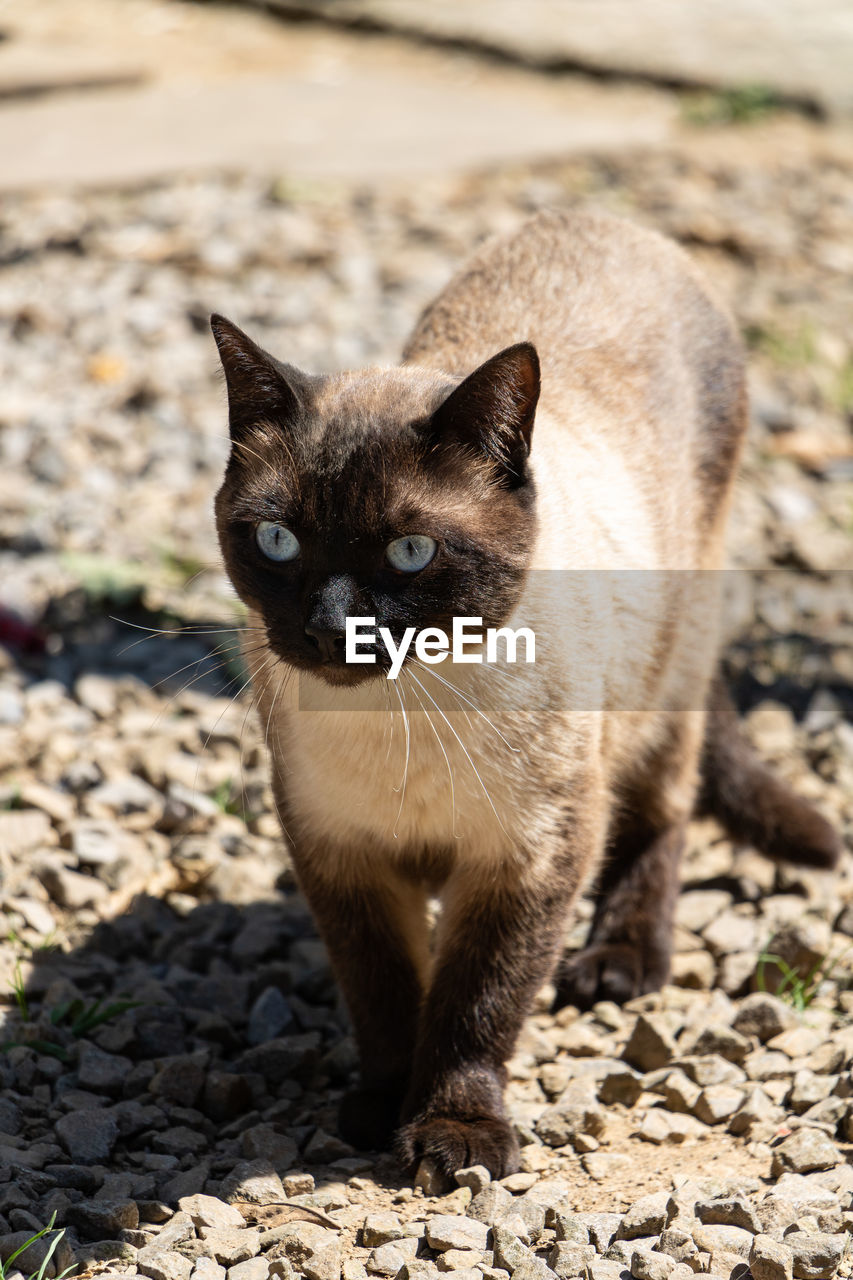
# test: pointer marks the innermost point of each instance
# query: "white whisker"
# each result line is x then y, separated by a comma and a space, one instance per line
465, 751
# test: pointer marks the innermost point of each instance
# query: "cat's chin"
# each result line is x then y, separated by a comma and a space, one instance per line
338, 676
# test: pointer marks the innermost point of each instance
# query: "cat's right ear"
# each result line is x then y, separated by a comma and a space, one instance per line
259, 386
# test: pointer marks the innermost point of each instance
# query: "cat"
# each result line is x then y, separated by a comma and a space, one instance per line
465, 482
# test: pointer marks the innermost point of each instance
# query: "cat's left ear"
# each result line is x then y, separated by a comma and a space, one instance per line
259, 386
493, 410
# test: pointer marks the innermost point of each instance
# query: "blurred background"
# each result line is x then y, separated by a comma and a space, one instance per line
316, 170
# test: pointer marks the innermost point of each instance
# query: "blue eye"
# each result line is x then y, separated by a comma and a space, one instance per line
276, 542
411, 553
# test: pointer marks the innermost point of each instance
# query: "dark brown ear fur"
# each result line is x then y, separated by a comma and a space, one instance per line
492, 411
749, 800
259, 386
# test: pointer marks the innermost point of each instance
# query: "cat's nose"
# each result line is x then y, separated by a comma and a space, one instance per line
330, 642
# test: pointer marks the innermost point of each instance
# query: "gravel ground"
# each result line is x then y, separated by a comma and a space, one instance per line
174, 1043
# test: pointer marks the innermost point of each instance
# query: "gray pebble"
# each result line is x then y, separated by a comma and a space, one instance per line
816, 1256
449, 1232
88, 1136
770, 1259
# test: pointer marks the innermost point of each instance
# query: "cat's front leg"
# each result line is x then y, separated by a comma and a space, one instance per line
374, 925
497, 945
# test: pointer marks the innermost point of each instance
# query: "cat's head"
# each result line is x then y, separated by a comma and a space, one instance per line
401, 494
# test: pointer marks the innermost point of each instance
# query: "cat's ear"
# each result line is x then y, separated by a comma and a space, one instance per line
493, 410
259, 386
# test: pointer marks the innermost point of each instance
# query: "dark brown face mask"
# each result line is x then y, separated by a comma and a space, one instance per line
399, 496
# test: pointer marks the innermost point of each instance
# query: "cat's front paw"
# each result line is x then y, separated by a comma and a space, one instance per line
368, 1118
453, 1144
609, 971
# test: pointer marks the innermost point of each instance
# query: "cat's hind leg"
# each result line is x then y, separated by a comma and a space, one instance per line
629, 947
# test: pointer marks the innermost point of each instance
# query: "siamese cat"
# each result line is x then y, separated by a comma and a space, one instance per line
565, 425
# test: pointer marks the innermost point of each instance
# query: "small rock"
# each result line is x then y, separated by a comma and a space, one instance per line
577, 1111
651, 1044
251, 1269
477, 1177
266, 1142
387, 1259
379, 1228
679, 1092
429, 1178
102, 1219
728, 1212
446, 1232
519, 1182
646, 1217
230, 1245
490, 1204
508, 1250
413, 1269
11, 1117
719, 1238
533, 1268
300, 1241
677, 1242
22, 830
297, 1184
717, 1038
764, 1016
270, 1015
208, 1211
325, 1264
179, 1081
804, 1151
817, 1256
255, 1181
457, 1260
604, 1269
163, 1264
88, 1136
568, 1260
661, 1127
648, 1264
770, 1260
101, 1071
207, 1269
69, 888
602, 1228
718, 1103
621, 1085
323, 1148
567, 1227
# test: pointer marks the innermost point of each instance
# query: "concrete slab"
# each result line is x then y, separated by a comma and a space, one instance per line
801, 48
370, 124
229, 88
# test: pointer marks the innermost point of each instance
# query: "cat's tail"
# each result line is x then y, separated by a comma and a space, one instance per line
751, 802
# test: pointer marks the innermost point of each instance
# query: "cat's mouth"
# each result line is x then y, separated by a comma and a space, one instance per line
334, 671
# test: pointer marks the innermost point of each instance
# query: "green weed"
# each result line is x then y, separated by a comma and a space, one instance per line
795, 988
743, 104
81, 1018
6, 1267
794, 350
20, 993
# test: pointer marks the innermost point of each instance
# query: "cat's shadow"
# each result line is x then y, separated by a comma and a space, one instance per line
237, 1001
